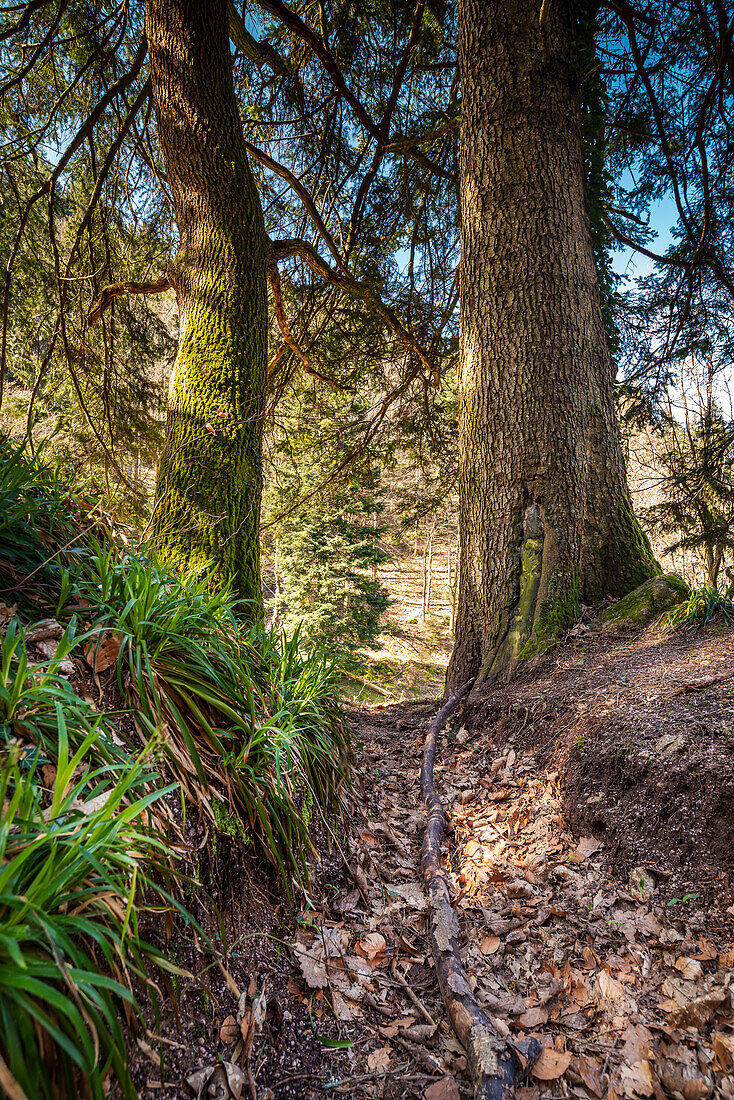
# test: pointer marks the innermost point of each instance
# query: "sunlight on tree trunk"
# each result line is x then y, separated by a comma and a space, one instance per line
544, 508
210, 471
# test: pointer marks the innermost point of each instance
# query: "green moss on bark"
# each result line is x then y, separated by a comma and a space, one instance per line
210, 470
531, 557
555, 615
656, 595
209, 476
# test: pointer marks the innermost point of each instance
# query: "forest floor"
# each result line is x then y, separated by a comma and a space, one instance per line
590, 859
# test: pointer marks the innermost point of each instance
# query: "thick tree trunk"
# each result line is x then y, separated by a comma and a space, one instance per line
210, 472
544, 509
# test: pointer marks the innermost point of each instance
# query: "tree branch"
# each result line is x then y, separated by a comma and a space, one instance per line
295, 24
496, 1065
286, 248
115, 290
261, 53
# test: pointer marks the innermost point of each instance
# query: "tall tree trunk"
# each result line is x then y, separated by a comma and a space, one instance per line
210, 471
537, 440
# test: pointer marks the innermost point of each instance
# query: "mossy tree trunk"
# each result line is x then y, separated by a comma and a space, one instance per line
210, 471
544, 507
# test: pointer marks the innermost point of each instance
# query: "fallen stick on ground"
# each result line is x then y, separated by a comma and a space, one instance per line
698, 685
495, 1064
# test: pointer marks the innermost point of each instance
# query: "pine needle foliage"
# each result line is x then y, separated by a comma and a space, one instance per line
697, 512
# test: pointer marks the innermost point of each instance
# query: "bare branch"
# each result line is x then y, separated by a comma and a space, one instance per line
115, 290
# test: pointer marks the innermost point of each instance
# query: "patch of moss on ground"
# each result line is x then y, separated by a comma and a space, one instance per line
651, 598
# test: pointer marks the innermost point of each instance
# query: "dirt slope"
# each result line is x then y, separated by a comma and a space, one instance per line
588, 859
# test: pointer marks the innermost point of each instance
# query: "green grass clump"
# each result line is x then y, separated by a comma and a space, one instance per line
236, 719
698, 610
79, 865
249, 719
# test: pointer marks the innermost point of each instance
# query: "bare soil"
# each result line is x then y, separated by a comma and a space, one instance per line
644, 747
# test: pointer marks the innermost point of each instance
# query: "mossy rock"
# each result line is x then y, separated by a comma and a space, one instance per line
646, 602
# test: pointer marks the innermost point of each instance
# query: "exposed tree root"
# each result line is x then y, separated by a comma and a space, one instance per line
496, 1065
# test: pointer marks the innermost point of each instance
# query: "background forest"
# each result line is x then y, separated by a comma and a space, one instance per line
367, 350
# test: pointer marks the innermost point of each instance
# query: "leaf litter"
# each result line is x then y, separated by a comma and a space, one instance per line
628, 997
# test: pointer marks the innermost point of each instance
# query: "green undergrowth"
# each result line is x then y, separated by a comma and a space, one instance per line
196, 717
703, 605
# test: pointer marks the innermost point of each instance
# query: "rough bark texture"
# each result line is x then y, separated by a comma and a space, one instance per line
545, 512
210, 472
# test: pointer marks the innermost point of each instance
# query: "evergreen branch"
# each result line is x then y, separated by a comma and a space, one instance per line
288, 337
49, 184
297, 26
284, 249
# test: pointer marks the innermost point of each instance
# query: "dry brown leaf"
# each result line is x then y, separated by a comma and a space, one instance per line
723, 1045
551, 1064
642, 884
586, 847
412, 895
689, 968
637, 1079
648, 924
6, 614
312, 967
611, 996
373, 946
637, 1044
590, 1071
380, 1058
102, 653
443, 1089
489, 945
534, 1017
345, 1009
726, 959
698, 1011
683, 1078
229, 1032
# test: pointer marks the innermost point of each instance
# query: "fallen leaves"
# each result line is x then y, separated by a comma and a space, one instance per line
551, 1064
637, 1079
312, 967
102, 652
380, 1058
444, 1089
615, 983
229, 1032
372, 947
223, 1080
590, 1069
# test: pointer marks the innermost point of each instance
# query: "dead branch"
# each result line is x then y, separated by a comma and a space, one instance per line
115, 290
495, 1065
698, 685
